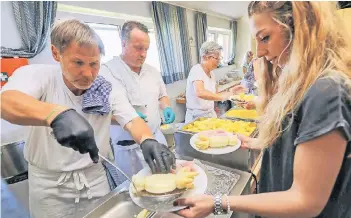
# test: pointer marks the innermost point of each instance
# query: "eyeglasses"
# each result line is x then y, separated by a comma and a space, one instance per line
219, 58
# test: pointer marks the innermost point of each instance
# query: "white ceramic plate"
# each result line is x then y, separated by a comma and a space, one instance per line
223, 150
200, 186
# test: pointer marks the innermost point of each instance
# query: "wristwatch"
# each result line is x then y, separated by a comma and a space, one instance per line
218, 210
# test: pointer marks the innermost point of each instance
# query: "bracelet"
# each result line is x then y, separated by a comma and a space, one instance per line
52, 112
218, 210
228, 205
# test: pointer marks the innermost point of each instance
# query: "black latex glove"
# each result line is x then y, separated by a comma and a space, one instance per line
152, 150
73, 130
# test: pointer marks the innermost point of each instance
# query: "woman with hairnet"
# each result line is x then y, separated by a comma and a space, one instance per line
201, 89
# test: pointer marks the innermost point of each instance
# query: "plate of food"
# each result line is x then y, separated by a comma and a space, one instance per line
215, 142
152, 193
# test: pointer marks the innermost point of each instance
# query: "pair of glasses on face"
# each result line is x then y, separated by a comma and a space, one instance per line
219, 58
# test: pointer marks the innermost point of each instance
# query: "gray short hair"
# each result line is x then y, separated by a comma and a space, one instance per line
129, 26
208, 48
64, 32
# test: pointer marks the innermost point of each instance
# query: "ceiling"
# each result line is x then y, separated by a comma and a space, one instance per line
229, 9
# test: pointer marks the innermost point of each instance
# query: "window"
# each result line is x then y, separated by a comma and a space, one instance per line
211, 37
152, 57
110, 36
222, 37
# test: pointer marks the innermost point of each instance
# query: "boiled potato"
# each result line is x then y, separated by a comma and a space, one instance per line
202, 144
143, 214
243, 113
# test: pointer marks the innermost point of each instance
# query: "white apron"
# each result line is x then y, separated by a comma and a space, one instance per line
194, 114
65, 194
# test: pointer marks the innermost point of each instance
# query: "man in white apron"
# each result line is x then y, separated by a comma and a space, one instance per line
201, 88
70, 105
145, 90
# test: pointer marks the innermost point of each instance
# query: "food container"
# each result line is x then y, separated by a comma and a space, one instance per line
241, 117
12, 160
229, 125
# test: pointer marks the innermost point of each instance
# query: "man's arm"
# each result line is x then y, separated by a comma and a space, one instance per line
138, 129
157, 156
22, 109
20, 105
126, 116
19, 97
164, 102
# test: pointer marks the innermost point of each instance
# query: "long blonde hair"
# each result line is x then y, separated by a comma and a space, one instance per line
319, 43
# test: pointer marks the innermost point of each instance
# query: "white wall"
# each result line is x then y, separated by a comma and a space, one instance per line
243, 43
11, 37
213, 21
138, 8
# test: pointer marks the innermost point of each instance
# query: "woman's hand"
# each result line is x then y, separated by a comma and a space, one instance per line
247, 105
248, 142
197, 207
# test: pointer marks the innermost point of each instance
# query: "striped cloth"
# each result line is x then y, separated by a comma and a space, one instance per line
114, 177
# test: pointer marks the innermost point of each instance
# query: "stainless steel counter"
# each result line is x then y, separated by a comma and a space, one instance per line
117, 204
240, 159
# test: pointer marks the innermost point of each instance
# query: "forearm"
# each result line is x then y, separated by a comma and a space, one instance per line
275, 204
207, 95
138, 129
21, 109
164, 102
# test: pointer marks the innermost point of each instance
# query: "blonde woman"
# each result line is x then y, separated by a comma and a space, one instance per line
305, 128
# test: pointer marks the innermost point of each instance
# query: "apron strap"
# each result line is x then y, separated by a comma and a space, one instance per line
79, 180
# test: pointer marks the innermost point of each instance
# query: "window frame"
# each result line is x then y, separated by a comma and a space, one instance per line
118, 27
216, 31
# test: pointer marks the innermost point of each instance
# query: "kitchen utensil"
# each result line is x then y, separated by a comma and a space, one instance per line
12, 159
121, 171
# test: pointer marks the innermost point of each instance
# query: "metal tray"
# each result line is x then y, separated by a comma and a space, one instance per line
239, 118
253, 133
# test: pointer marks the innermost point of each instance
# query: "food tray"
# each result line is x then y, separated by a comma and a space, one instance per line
202, 118
239, 118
